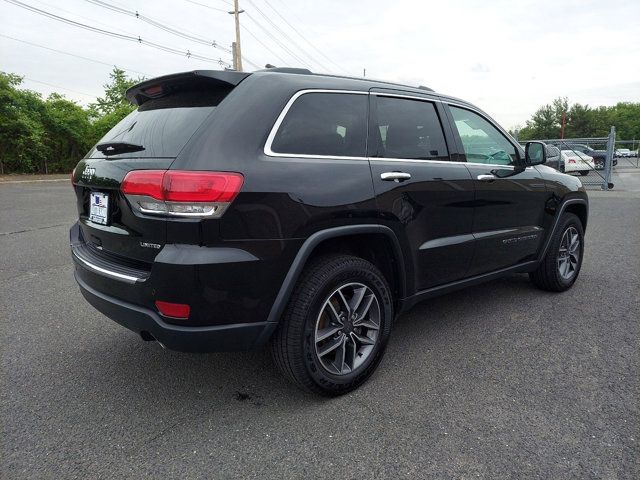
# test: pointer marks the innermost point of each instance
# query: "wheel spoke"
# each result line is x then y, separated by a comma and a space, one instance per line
334, 313
341, 353
370, 324
362, 339
344, 302
364, 309
326, 333
330, 346
353, 352
358, 295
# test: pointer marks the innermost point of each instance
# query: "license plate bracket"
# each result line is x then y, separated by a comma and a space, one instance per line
99, 208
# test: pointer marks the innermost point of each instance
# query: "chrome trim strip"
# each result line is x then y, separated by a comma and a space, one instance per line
410, 97
412, 160
276, 126
107, 273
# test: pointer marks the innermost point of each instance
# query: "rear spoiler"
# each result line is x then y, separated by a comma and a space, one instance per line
155, 87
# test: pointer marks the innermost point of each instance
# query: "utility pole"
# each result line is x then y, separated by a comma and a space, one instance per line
237, 50
234, 52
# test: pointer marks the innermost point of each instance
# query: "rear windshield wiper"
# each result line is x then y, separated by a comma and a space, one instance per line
115, 148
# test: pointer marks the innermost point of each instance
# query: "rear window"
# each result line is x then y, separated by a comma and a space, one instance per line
163, 125
326, 124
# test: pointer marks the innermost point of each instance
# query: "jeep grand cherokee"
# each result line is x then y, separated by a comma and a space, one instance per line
233, 210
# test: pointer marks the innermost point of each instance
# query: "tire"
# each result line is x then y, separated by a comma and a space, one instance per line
584, 173
561, 168
551, 274
298, 346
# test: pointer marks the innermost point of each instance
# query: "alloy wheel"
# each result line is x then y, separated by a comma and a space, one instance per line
569, 253
347, 328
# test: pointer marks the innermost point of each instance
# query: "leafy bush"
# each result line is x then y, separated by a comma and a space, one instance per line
50, 135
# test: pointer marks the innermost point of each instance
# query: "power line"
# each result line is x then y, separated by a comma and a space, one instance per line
157, 24
244, 57
71, 54
207, 6
277, 41
303, 37
284, 34
284, 62
121, 36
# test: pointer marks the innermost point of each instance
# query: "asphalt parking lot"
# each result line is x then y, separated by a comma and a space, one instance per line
497, 381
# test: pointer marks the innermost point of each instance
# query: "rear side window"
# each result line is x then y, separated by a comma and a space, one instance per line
408, 129
327, 124
163, 125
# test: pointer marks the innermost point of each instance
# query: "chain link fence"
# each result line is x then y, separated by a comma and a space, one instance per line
626, 153
591, 158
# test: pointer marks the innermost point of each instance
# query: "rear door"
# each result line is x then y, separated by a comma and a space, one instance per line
509, 198
149, 138
422, 194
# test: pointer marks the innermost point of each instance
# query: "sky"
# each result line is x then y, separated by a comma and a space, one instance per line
508, 57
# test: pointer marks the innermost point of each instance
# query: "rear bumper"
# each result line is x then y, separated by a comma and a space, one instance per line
230, 337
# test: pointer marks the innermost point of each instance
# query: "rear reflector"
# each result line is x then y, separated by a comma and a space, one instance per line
173, 310
181, 193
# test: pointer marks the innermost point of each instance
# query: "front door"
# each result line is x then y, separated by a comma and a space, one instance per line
421, 194
509, 198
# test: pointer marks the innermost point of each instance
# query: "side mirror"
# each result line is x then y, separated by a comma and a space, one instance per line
535, 153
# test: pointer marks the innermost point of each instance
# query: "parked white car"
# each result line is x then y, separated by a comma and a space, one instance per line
623, 152
573, 161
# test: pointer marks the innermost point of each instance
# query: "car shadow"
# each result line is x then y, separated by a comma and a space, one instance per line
120, 366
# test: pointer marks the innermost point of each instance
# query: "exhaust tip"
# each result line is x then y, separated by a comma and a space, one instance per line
147, 337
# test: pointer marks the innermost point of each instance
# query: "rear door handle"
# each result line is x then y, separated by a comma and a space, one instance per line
486, 178
395, 176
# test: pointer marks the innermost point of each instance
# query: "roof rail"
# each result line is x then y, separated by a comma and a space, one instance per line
304, 71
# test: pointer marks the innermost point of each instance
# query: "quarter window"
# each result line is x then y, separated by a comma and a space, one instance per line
408, 129
482, 142
327, 124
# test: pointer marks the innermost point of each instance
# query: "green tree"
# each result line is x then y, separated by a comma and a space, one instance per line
107, 111
114, 99
22, 133
68, 129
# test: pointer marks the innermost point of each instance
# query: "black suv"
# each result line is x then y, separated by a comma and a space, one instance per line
232, 210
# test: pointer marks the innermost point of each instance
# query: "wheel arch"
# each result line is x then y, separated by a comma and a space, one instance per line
346, 239
579, 210
577, 206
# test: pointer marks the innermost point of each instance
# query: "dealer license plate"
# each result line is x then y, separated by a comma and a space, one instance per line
99, 208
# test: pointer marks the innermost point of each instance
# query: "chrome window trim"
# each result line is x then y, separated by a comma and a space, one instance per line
276, 126
407, 96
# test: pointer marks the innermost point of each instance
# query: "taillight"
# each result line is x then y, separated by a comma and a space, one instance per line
571, 160
181, 193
